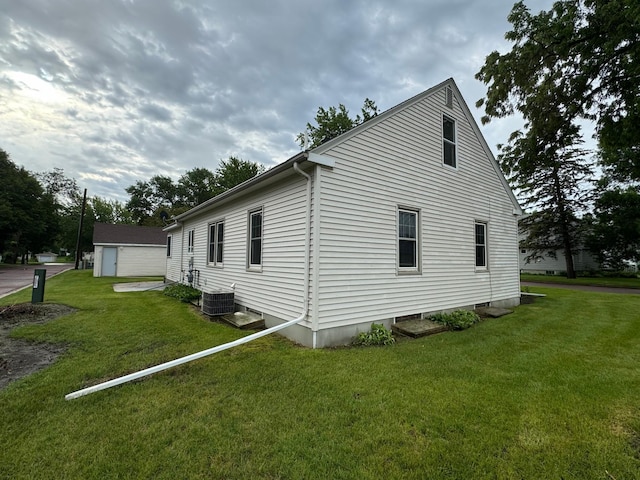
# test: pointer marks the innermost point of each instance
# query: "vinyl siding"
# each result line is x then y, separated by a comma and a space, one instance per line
398, 163
173, 264
141, 261
277, 289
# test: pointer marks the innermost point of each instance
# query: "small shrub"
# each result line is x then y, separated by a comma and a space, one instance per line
182, 292
456, 320
378, 335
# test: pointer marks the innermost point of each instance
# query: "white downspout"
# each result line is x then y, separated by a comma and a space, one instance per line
225, 346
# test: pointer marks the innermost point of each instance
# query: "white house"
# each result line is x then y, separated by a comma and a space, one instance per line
406, 214
128, 251
547, 264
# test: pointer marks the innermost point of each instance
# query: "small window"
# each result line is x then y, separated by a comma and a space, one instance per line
481, 245
407, 240
190, 239
216, 243
449, 141
169, 245
255, 239
523, 250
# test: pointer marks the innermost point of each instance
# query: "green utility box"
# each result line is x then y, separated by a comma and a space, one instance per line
39, 276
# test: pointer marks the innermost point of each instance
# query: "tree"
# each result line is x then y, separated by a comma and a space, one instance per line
588, 53
334, 122
615, 233
27, 212
148, 199
196, 186
234, 171
577, 61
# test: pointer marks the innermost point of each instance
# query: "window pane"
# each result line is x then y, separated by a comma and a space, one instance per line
256, 225
407, 225
448, 129
479, 233
168, 246
255, 256
449, 154
481, 245
212, 236
220, 232
407, 250
219, 253
480, 257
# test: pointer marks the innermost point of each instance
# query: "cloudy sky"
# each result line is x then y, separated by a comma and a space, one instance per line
115, 91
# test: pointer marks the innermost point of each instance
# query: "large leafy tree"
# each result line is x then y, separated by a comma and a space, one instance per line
334, 121
235, 171
579, 60
27, 212
615, 232
147, 200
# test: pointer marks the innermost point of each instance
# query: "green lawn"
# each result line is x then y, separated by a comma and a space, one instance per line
594, 281
551, 391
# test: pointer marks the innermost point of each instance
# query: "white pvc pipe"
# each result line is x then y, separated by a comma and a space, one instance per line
180, 361
225, 346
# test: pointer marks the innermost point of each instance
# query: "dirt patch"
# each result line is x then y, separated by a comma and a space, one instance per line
19, 358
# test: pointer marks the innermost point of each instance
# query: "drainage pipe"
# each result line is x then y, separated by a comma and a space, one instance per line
225, 346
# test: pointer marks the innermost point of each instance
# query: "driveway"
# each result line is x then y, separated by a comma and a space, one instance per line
584, 288
17, 277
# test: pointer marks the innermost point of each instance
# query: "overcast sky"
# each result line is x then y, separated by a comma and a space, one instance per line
115, 91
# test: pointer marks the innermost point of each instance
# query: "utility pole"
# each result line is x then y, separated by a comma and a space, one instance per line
84, 205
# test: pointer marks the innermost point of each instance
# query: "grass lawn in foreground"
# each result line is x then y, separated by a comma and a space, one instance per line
550, 391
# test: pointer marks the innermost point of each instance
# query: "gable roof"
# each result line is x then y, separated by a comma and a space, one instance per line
105, 233
415, 99
315, 155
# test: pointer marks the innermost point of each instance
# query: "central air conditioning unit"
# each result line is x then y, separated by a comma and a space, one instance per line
218, 302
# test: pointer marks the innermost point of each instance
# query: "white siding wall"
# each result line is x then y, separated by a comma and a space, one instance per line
398, 162
277, 290
581, 261
97, 261
141, 261
173, 264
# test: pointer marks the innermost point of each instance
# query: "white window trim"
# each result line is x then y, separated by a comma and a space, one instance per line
191, 240
485, 224
417, 269
454, 143
215, 263
255, 266
169, 246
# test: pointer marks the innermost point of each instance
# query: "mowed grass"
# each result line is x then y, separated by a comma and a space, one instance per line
550, 391
615, 282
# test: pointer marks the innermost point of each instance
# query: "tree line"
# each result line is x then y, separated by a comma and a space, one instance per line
579, 61
41, 211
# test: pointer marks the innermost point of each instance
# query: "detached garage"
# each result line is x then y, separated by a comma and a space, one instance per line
128, 251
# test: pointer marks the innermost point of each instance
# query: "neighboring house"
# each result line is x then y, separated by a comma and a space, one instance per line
404, 215
546, 264
46, 257
128, 251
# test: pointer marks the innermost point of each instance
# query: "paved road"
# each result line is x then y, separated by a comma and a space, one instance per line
17, 277
584, 288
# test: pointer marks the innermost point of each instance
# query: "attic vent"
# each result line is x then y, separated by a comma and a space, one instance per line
217, 303
448, 97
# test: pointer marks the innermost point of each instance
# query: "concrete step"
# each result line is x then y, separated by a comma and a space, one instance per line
418, 328
244, 320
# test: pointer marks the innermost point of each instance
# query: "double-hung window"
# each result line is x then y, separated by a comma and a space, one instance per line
481, 246
190, 240
216, 243
254, 247
449, 141
408, 240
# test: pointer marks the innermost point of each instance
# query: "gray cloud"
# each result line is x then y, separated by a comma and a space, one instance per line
117, 91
